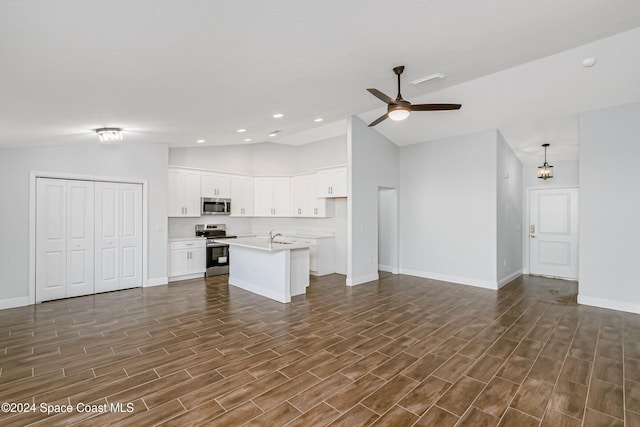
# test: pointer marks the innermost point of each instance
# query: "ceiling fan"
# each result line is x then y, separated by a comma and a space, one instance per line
399, 109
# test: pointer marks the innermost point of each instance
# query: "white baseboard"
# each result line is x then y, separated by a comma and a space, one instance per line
388, 268
453, 279
609, 303
186, 277
156, 282
509, 278
353, 281
13, 302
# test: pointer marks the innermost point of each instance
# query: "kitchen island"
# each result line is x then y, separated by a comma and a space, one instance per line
278, 271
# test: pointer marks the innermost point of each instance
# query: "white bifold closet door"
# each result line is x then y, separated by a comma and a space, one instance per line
118, 236
64, 238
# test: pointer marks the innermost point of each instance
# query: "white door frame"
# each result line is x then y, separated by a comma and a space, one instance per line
525, 225
33, 175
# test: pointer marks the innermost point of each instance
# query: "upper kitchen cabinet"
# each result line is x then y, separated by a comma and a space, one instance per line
184, 193
332, 182
304, 202
272, 196
215, 185
242, 196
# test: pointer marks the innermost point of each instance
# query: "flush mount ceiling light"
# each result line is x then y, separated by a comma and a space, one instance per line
546, 170
247, 140
241, 130
318, 120
200, 141
109, 134
589, 62
278, 115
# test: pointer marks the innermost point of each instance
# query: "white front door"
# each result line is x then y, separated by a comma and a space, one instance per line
553, 232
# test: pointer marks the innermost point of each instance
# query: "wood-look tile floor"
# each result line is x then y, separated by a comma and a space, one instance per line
397, 352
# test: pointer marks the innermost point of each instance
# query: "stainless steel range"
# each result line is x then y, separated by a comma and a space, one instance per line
217, 253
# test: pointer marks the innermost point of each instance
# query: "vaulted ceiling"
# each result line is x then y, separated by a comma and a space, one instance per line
179, 71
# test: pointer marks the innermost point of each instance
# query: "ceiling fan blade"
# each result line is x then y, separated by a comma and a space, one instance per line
378, 120
435, 107
381, 96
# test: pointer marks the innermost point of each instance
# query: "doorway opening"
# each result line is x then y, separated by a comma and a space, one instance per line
388, 230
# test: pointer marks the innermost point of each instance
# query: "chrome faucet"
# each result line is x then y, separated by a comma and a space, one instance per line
273, 236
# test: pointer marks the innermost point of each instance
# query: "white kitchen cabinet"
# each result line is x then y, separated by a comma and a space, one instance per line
187, 258
184, 193
304, 202
272, 196
215, 185
321, 250
242, 196
332, 182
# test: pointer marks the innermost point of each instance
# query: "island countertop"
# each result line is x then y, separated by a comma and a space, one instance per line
263, 244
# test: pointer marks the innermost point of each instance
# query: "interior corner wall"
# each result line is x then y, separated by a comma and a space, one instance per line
136, 161
610, 208
373, 162
448, 209
509, 213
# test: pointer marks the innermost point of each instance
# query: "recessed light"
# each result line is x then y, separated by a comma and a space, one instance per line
278, 115
427, 78
272, 134
241, 130
589, 62
318, 120
200, 141
247, 140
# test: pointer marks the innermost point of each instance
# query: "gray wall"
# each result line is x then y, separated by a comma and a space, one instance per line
373, 163
143, 161
266, 158
610, 208
509, 213
448, 209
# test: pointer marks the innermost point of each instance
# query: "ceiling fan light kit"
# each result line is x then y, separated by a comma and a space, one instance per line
399, 109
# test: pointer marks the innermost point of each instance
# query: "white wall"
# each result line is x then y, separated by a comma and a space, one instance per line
373, 163
610, 208
509, 213
448, 209
265, 158
143, 161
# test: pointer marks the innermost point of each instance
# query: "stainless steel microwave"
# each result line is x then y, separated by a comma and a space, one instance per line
215, 206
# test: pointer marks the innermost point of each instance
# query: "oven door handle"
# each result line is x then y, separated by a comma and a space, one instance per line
217, 245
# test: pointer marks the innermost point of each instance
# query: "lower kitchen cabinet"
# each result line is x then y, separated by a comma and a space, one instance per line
187, 259
321, 252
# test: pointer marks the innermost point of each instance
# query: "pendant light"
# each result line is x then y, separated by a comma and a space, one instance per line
545, 171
